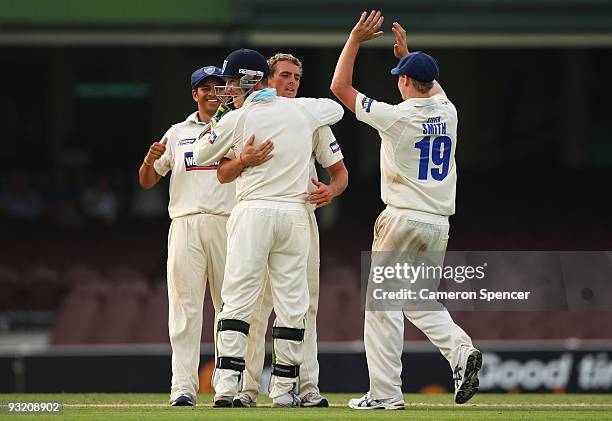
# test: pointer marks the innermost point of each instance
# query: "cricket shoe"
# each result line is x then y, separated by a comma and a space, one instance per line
314, 399
288, 400
183, 400
465, 376
366, 402
222, 401
244, 400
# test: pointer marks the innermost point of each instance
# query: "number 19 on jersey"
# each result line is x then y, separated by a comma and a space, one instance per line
439, 151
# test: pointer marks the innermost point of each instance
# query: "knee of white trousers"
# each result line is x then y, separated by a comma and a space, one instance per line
231, 343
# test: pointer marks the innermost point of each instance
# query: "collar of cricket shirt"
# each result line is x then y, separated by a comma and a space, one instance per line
418, 102
264, 94
193, 118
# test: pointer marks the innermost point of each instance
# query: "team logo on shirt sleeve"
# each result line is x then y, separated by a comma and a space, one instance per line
190, 164
334, 146
366, 104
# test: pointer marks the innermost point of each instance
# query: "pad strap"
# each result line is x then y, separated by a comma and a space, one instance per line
281, 370
231, 363
233, 324
289, 333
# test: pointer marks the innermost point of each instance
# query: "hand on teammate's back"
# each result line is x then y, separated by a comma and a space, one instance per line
368, 27
322, 196
252, 156
400, 48
156, 150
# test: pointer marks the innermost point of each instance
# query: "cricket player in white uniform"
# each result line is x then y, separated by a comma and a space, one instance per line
199, 208
285, 76
268, 226
418, 179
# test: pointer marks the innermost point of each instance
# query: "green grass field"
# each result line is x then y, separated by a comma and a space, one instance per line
419, 407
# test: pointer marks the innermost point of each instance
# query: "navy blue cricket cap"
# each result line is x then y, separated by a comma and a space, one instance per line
201, 74
245, 61
418, 66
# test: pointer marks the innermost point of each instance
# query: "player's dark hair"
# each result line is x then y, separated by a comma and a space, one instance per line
422, 87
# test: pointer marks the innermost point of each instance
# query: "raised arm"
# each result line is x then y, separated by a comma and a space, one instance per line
367, 28
400, 49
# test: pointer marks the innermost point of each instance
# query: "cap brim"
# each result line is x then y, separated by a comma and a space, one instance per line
205, 77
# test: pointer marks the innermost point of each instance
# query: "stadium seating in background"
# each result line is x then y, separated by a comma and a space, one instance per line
79, 314
9, 282
123, 305
153, 324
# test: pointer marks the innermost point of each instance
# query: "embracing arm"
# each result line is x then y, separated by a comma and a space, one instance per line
324, 194
251, 156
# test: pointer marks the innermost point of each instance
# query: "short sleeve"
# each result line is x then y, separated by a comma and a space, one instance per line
326, 148
323, 111
377, 114
165, 162
232, 153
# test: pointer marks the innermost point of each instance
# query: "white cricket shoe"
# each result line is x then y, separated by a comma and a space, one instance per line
244, 400
366, 402
222, 401
314, 399
465, 375
288, 400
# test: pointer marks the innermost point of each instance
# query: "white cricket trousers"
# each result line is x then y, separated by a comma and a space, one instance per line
256, 349
409, 231
196, 253
264, 234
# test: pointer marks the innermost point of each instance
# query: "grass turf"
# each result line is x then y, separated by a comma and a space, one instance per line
422, 407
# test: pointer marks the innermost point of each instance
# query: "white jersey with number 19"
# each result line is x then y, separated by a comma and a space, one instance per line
417, 153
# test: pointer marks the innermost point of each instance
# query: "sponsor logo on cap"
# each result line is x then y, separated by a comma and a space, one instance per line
224, 64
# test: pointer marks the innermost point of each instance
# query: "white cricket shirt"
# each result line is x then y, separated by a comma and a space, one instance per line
290, 124
417, 152
193, 188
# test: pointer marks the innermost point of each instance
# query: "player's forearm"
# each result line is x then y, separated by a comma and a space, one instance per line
229, 170
342, 82
147, 176
338, 175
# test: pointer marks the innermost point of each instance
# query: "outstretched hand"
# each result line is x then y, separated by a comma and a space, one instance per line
368, 27
400, 48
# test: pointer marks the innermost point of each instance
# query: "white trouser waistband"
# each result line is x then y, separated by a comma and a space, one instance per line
415, 215
271, 204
